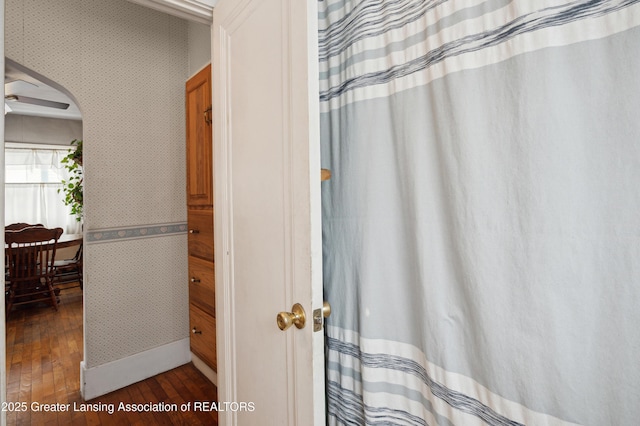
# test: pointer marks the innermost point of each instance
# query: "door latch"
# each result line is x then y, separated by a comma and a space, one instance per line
319, 315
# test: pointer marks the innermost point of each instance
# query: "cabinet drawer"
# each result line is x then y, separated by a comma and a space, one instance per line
203, 335
200, 239
202, 284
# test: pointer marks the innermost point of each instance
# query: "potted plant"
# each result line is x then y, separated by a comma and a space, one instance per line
72, 187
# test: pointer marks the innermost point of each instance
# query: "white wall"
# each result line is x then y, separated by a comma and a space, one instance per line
126, 65
199, 38
41, 130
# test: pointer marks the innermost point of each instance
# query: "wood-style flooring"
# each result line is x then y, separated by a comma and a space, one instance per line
44, 350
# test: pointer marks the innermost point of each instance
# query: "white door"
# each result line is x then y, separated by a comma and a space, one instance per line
267, 210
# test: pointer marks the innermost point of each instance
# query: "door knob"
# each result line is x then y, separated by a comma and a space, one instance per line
296, 316
326, 309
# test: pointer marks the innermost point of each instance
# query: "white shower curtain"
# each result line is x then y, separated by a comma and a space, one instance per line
482, 223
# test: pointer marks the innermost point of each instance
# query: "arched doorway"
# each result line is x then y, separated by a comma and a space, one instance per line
43, 346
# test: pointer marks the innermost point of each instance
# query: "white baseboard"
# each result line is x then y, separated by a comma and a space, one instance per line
105, 378
204, 369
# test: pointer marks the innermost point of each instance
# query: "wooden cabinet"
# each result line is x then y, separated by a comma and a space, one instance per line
199, 146
202, 307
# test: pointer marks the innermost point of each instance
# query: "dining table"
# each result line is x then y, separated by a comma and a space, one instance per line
69, 240
65, 240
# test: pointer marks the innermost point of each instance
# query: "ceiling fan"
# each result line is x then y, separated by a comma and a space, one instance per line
28, 93
13, 89
36, 101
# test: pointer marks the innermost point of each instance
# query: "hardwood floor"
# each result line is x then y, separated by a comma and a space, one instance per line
44, 350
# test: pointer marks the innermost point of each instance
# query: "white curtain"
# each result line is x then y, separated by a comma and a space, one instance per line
33, 179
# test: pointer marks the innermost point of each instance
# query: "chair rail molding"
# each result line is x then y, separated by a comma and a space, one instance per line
194, 10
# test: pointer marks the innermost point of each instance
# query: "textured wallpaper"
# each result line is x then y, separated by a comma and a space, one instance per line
149, 308
127, 66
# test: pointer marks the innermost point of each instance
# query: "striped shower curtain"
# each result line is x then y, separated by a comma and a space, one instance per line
482, 224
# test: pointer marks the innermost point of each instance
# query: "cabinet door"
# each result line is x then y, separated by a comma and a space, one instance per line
199, 148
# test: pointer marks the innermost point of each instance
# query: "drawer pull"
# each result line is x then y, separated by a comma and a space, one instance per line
194, 231
195, 280
196, 331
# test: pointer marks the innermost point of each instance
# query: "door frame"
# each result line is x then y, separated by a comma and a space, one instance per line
200, 11
3, 345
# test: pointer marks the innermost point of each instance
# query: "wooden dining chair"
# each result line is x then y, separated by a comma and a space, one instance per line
30, 253
68, 271
21, 225
14, 227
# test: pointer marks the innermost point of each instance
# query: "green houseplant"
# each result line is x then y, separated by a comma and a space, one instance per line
72, 187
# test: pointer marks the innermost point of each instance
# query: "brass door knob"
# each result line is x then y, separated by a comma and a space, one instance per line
296, 316
196, 331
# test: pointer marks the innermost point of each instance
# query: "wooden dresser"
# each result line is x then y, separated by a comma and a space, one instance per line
202, 310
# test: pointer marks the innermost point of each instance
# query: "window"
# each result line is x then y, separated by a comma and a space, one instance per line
33, 175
